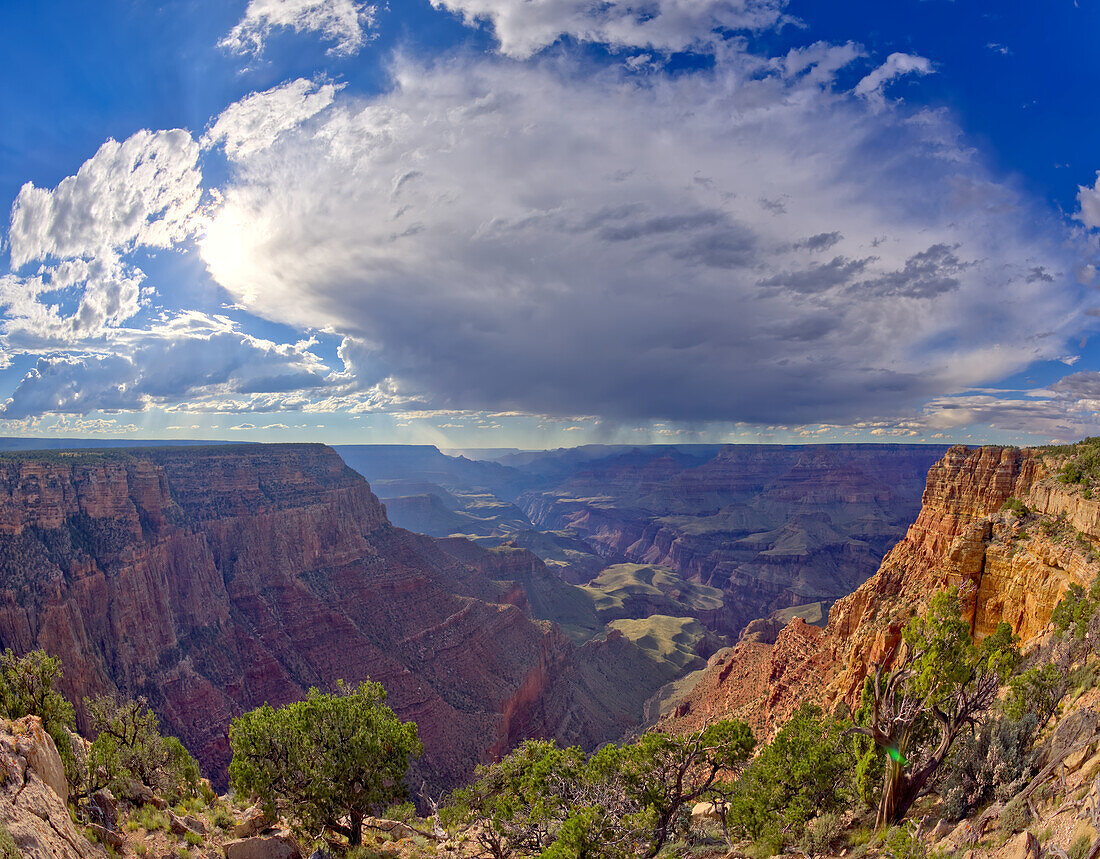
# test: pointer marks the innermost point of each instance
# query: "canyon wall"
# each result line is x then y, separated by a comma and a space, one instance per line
1009, 567
772, 526
212, 580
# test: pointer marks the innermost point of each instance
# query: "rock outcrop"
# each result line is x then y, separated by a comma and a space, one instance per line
212, 580
32, 807
1008, 567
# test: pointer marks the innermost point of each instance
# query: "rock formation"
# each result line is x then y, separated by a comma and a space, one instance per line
771, 525
212, 580
1008, 567
33, 793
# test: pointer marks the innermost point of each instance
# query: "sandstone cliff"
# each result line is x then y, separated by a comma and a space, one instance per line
1009, 568
212, 580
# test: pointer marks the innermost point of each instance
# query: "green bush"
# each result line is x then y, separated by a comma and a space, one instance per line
1079, 849
821, 834
1015, 506
8, 850
622, 801
129, 747
804, 771
331, 759
1015, 817
1036, 690
994, 762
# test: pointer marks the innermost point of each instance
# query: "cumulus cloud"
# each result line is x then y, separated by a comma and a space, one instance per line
523, 27
141, 192
1089, 201
256, 121
897, 65
342, 22
518, 237
105, 292
189, 355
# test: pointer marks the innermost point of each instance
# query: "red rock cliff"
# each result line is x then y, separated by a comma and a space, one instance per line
1014, 573
212, 580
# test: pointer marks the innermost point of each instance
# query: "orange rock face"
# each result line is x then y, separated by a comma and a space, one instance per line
1009, 569
212, 580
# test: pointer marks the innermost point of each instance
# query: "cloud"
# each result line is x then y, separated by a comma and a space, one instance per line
256, 121
141, 192
523, 28
897, 64
1089, 201
491, 235
190, 355
342, 22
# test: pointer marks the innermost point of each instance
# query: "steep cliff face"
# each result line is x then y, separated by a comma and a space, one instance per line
212, 580
1009, 568
772, 526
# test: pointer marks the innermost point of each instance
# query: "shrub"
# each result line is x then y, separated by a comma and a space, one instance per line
332, 759
803, 772
623, 801
1037, 690
994, 762
1015, 506
1079, 849
8, 850
1015, 817
129, 747
821, 833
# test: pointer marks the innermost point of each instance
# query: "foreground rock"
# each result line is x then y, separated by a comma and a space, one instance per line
277, 845
31, 807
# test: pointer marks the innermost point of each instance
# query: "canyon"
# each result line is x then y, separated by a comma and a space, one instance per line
769, 526
211, 580
1010, 564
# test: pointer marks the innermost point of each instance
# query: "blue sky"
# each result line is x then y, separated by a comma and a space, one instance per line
547, 222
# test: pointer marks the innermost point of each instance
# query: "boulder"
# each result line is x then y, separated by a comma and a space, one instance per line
182, 825
1023, 846
31, 810
106, 836
715, 811
276, 845
104, 807
41, 754
253, 822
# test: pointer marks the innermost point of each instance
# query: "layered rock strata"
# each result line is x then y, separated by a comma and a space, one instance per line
212, 580
1008, 568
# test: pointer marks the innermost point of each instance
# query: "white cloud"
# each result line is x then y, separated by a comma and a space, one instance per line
1089, 201
141, 192
109, 293
897, 65
524, 27
728, 245
189, 355
256, 121
342, 22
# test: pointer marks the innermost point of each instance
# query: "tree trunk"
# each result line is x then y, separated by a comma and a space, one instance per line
892, 785
355, 836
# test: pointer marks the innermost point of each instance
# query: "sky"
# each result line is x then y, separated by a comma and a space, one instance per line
540, 223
